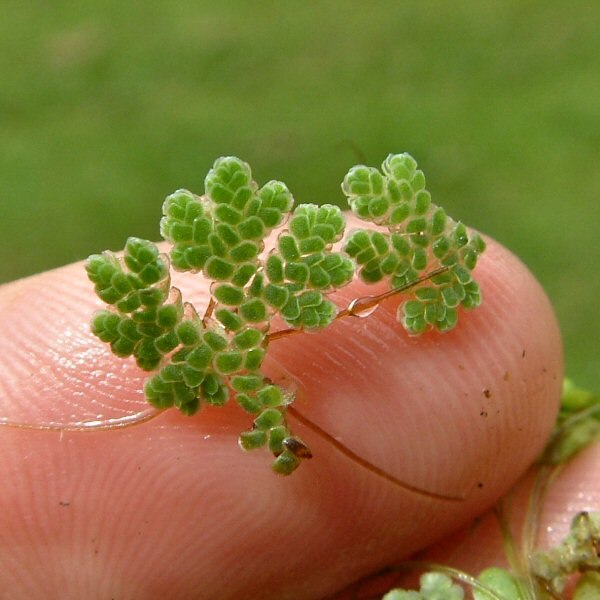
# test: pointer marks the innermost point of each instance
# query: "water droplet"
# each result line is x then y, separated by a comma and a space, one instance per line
361, 307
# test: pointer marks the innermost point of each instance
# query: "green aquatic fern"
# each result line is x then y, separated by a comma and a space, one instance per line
434, 586
226, 235
303, 268
578, 552
419, 236
146, 311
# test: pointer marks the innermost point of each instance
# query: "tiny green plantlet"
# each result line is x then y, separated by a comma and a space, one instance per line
209, 356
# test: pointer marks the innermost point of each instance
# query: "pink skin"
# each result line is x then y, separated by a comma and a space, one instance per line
479, 545
171, 508
576, 489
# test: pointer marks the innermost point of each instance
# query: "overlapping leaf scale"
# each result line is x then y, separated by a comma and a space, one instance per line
420, 237
269, 428
196, 371
245, 214
125, 283
144, 312
254, 392
304, 268
247, 325
187, 223
222, 234
258, 395
207, 362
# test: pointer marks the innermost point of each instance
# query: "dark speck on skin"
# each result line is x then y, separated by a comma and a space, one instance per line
487, 393
63, 503
480, 485
483, 413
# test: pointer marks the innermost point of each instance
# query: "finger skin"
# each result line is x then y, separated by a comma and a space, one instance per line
480, 545
172, 507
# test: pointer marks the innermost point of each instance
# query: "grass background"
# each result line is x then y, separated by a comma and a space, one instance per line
106, 107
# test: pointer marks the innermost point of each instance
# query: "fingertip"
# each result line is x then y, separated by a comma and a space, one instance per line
458, 414
462, 413
575, 489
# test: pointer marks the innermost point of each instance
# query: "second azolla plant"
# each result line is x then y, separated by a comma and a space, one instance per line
208, 358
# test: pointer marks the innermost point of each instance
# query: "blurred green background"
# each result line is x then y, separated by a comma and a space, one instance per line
106, 107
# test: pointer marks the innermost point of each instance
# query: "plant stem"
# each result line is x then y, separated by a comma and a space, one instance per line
360, 461
362, 304
209, 311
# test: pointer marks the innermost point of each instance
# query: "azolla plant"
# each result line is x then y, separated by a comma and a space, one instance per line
208, 356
